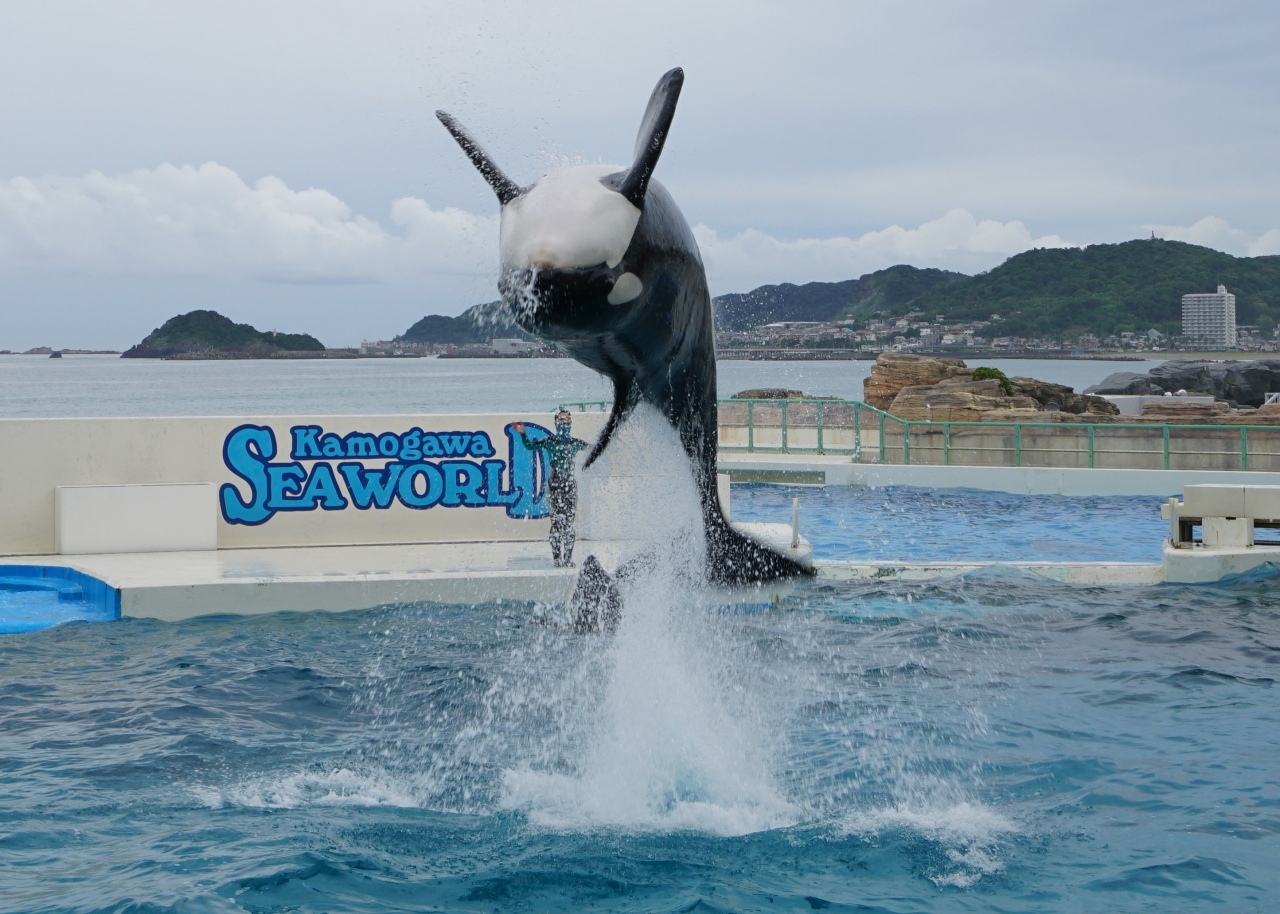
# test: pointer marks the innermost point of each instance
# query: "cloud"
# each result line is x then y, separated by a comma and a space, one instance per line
1217, 233
956, 241
207, 221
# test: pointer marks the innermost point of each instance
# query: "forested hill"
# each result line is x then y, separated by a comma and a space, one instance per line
852, 299
205, 332
478, 324
1105, 289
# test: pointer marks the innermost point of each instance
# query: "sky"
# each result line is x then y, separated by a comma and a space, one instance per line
280, 162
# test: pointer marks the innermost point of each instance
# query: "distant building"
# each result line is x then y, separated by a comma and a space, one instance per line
512, 346
1210, 318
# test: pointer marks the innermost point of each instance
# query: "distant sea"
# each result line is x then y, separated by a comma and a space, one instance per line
104, 385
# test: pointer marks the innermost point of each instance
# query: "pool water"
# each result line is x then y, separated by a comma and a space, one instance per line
907, 523
991, 742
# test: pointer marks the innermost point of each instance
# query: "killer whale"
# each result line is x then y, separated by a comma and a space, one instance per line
599, 260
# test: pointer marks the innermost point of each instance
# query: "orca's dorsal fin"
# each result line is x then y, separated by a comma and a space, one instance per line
506, 189
652, 137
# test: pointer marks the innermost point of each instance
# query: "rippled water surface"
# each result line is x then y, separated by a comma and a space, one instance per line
990, 743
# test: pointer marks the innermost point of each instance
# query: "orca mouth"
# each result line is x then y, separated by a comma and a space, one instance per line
559, 303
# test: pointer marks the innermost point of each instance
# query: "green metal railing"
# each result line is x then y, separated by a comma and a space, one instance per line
582, 406
807, 426
871, 435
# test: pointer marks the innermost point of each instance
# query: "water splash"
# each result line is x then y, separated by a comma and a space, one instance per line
660, 731
969, 835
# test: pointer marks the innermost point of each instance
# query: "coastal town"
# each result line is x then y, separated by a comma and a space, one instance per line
915, 332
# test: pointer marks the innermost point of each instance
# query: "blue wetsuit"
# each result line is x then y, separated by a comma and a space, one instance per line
562, 489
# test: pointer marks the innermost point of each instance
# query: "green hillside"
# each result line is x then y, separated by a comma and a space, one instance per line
1105, 289
478, 324
852, 299
209, 331
441, 329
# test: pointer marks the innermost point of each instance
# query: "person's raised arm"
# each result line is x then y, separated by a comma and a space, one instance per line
529, 445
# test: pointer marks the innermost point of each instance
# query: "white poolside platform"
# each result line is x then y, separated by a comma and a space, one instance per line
181, 585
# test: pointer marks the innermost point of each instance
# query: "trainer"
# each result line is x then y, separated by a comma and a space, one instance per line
562, 487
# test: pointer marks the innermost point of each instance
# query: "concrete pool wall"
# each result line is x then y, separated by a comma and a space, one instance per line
319, 485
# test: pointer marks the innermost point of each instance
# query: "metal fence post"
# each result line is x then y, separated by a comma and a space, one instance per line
906, 443
820, 450
857, 432
1091, 427
784, 425
882, 415
946, 444
1166, 447
751, 425
1244, 447
1017, 444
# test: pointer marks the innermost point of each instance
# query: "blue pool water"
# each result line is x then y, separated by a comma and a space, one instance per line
986, 743
33, 597
906, 523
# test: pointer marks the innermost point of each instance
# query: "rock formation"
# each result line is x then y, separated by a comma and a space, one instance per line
922, 388
1243, 382
893, 371
1060, 397
776, 393
1174, 410
955, 400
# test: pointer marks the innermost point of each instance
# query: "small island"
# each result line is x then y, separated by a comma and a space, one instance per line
209, 335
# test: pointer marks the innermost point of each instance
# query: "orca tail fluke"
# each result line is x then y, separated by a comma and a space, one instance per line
736, 560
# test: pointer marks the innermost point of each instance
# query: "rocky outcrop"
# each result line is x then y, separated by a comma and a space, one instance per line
955, 401
776, 393
922, 388
895, 371
1174, 410
1060, 398
1245, 382
1039, 416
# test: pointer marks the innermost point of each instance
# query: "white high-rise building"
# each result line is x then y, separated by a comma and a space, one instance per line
1210, 319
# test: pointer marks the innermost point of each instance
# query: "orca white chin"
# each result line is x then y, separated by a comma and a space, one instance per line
568, 220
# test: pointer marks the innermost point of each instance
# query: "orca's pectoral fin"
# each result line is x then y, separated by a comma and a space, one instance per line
622, 391
653, 134
596, 605
506, 189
